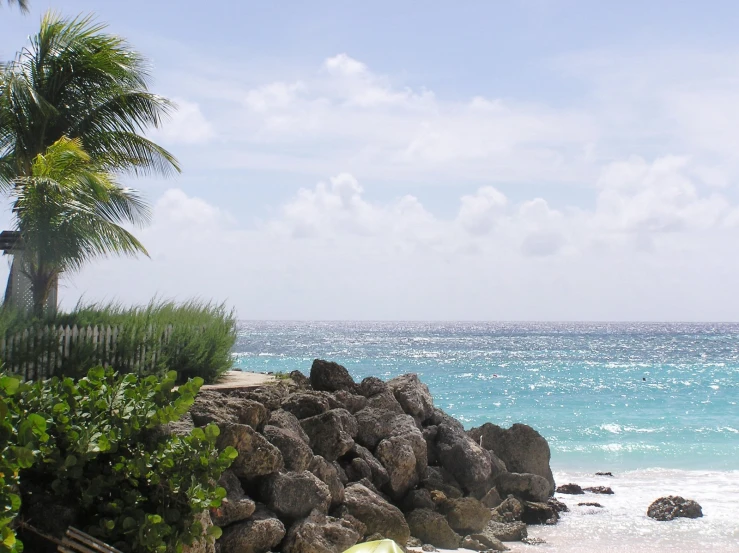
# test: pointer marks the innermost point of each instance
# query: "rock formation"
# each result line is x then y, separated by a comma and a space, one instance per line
325, 463
674, 506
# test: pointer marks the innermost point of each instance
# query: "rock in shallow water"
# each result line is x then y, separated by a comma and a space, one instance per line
603, 490
505, 531
570, 489
674, 506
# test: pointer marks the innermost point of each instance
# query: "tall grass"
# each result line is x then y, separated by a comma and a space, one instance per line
200, 338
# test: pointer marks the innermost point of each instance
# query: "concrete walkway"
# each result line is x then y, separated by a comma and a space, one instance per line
240, 379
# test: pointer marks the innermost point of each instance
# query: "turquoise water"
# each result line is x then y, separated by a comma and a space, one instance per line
606, 396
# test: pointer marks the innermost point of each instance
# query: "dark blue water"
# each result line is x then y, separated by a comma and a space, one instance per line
619, 396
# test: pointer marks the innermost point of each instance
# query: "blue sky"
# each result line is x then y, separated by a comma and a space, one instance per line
541, 159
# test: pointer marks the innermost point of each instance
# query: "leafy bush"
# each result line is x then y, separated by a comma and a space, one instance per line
20, 435
130, 483
193, 338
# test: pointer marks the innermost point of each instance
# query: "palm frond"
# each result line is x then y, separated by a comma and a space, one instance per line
22, 4
68, 212
75, 79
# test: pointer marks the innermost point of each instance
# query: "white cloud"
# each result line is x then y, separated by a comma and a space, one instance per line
186, 125
348, 113
330, 252
480, 212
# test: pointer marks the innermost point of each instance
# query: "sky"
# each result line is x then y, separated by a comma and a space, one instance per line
485, 160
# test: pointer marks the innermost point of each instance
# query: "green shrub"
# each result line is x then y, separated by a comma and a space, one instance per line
193, 338
21, 433
132, 485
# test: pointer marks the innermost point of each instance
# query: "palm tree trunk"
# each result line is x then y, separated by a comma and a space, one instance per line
40, 287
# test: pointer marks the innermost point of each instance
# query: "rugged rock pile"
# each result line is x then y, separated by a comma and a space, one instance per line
325, 463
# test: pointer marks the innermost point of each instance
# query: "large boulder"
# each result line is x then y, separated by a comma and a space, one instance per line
539, 513
396, 455
305, 404
371, 386
293, 495
413, 395
386, 401
506, 531
299, 379
466, 515
331, 433
373, 425
214, 407
378, 515
511, 510
431, 527
328, 474
295, 452
347, 400
603, 490
259, 534
269, 396
674, 506
320, 534
378, 474
530, 487
440, 479
330, 377
570, 489
357, 469
491, 499
418, 499
520, 447
257, 457
236, 505
489, 542
205, 543
464, 459
287, 421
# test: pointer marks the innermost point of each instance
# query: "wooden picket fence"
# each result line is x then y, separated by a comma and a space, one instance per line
42, 352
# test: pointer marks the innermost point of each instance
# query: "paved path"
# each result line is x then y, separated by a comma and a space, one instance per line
240, 379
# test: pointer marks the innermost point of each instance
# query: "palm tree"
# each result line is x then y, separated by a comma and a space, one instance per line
69, 212
75, 80
22, 4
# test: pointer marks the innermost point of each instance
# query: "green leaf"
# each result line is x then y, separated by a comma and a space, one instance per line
23, 456
38, 424
97, 374
231, 452
9, 384
70, 461
212, 432
215, 532
198, 433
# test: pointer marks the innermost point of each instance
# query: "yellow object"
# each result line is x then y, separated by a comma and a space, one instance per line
378, 546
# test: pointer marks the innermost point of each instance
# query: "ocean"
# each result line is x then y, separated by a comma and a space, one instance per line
653, 403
